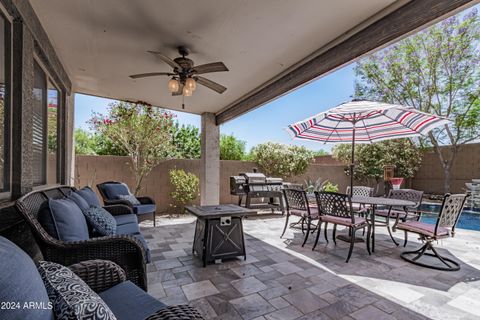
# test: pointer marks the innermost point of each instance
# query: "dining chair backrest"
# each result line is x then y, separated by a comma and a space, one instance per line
361, 191
296, 199
450, 211
334, 204
407, 194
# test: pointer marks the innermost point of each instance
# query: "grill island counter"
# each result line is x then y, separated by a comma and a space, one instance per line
257, 185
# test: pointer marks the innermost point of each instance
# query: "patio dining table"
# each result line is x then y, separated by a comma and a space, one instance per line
373, 202
380, 201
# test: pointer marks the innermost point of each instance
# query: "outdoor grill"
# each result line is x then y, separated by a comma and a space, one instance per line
253, 185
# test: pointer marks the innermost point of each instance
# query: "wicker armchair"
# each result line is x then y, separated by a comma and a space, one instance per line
124, 250
150, 215
101, 275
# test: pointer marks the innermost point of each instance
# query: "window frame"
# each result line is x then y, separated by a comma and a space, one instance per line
6, 194
61, 112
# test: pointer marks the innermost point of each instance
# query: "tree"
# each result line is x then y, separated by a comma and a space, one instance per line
435, 71
85, 142
185, 189
231, 148
186, 140
370, 159
143, 131
281, 160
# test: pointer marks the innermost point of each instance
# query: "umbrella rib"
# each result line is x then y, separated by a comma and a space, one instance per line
366, 131
334, 129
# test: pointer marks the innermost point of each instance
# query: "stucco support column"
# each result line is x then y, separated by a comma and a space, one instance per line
210, 161
70, 143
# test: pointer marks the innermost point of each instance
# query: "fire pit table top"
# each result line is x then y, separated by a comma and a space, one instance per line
217, 211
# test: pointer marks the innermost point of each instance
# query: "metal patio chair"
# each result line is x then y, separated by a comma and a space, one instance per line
336, 208
450, 212
400, 214
297, 205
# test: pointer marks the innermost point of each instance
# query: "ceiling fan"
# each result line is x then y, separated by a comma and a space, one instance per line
185, 74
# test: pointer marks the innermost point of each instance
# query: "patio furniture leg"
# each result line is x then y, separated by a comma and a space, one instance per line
318, 235
325, 234
352, 243
154, 219
450, 265
391, 235
303, 225
406, 238
335, 234
368, 238
308, 231
286, 224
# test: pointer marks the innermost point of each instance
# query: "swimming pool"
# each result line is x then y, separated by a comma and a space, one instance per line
468, 220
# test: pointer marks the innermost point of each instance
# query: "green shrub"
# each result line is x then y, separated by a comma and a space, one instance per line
330, 187
185, 188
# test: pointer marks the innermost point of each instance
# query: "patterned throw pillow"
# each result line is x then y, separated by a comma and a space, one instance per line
101, 220
130, 198
71, 297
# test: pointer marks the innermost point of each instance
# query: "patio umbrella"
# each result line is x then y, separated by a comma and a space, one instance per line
361, 121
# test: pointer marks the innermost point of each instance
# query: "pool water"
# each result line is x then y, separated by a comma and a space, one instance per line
468, 220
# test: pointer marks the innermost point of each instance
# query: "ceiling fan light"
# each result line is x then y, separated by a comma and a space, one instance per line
173, 85
187, 92
191, 84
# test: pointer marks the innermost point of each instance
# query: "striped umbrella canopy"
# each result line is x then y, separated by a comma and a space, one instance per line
361, 121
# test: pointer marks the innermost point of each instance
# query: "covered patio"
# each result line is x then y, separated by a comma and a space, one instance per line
270, 48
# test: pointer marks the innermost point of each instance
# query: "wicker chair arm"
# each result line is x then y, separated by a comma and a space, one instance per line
177, 312
118, 209
146, 200
125, 250
99, 275
111, 202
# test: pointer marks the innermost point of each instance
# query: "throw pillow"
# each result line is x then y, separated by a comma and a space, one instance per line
101, 220
89, 195
63, 220
71, 297
80, 202
130, 198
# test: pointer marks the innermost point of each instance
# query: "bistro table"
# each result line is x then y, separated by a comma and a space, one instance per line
380, 201
219, 231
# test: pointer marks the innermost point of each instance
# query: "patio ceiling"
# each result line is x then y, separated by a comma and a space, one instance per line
100, 43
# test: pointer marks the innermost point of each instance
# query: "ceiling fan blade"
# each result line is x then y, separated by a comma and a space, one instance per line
165, 59
150, 74
210, 67
179, 92
211, 84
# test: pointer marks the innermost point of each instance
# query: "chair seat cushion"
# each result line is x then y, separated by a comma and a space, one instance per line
20, 282
72, 298
128, 228
343, 221
90, 196
101, 220
63, 220
113, 190
423, 228
127, 301
304, 213
144, 208
125, 219
393, 213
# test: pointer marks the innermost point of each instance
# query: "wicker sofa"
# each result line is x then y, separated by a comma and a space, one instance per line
125, 250
22, 282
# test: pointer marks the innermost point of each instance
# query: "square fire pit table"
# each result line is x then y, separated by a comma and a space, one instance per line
219, 231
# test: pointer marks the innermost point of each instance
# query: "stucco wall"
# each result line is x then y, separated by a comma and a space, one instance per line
90, 170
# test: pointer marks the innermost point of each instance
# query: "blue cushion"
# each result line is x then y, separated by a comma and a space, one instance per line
79, 201
128, 228
90, 196
101, 220
20, 282
63, 220
125, 218
130, 198
113, 190
72, 298
144, 208
127, 301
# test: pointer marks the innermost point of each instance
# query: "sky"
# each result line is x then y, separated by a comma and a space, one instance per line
269, 120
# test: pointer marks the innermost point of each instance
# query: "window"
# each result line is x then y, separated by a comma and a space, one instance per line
46, 134
4, 105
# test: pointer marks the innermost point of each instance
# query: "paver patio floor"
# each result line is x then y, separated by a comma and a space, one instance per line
282, 280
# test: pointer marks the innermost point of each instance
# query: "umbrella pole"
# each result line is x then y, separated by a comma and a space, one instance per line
352, 165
